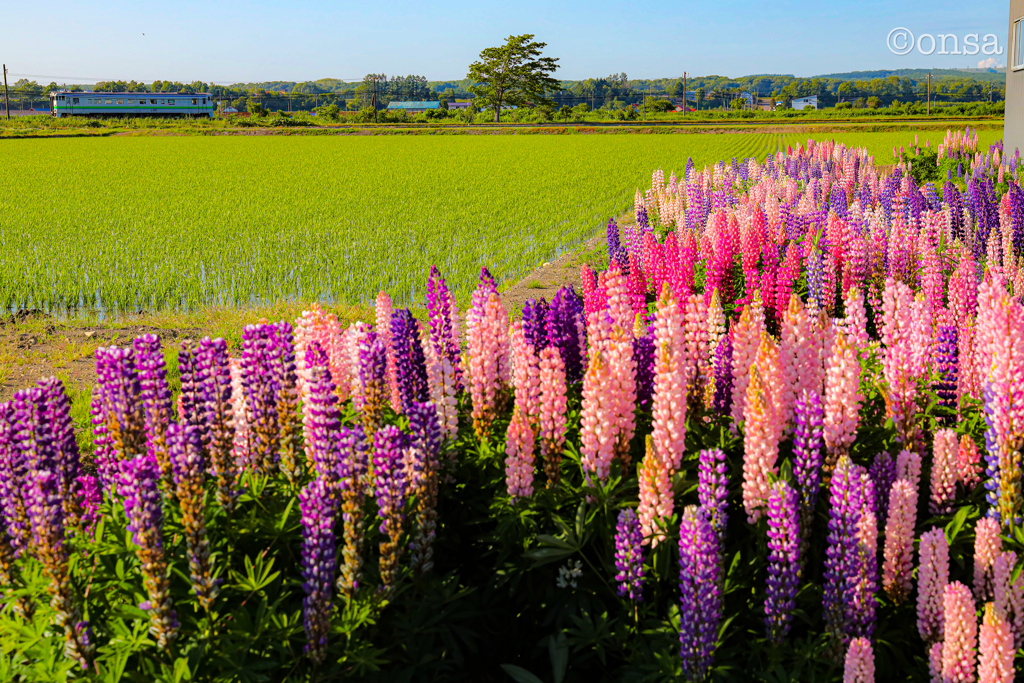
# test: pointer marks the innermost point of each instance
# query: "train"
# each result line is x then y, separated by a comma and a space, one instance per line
68, 103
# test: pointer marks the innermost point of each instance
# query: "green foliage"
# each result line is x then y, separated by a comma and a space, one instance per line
513, 74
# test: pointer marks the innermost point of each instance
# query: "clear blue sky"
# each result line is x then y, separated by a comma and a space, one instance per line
232, 41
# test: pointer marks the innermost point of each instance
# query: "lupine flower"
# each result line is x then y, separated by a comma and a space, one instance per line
219, 394
566, 330
760, 446
807, 460
319, 510
321, 419
410, 365
723, 381
57, 413
384, 329
968, 461
783, 560
656, 501
188, 469
932, 577
995, 651
390, 484
987, 546
118, 413
90, 496
947, 362
194, 375
746, 338
842, 400
1008, 595
487, 354
552, 412
260, 384
138, 484
287, 395
961, 633
156, 397
13, 477
442, 381
899, 541
713, 489
444, 323
669, 411
609, 398
629, 556
519, 463
842, 555
425, 445
859, 666
944, 472
373, 377
700, 593
351, 446
525, 374
643, 357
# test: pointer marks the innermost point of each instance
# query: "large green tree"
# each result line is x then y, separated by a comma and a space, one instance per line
513, 74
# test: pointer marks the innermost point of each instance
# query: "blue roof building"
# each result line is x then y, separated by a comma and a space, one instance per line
413, 107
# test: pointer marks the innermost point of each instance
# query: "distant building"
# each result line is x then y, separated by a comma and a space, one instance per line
460, 105
1013, 120
809, 102
413, 107
229, 110
748, 100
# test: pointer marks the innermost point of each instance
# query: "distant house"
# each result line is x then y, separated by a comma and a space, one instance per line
748, 100
413, 107
230, 110
459, 105
805, 102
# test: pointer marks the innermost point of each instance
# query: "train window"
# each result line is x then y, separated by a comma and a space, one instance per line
170, 101
108, 101
162, 102
204, 100
120, 101
195, 101
74, 100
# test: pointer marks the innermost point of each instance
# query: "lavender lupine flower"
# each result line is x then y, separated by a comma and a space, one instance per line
351, 446
444, 333
156, 397
699, 592
389, 483
535, 322
373, 364
410, 364
138, 481
783, 560
615, 249
188, 469
57, 414
566, 329
89, 492
289, 420
713, 490
948, 362
864, 574
319, 512
261, 385
629, 556
194, 379
643, 357
118, 409
883, 474
425, 449
814, 277
322, 417
807, 459
9, 571
218, 395
13, 478
722, 401
841, 555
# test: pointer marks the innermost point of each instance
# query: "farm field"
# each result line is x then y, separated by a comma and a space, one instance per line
150, 223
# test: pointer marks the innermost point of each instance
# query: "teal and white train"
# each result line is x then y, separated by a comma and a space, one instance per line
67, 103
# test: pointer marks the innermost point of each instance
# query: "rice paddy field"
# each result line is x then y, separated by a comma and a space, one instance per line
113, 225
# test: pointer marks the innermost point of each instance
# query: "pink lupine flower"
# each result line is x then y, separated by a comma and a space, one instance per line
351, 340
669, 410
996, 650
1008, 595
525, 373
696, 359
859, 666
968, 463
716, 327
935, 662
987, 546
519, 445
944, 471
961, 634
898, 552
855, 325
842, 400
609, 395
552, 411
760, 446
746, 340
619, 305
656, 501
383, 325
932, 577
239, 416
908, 466
487, 355
442, 383
797, 351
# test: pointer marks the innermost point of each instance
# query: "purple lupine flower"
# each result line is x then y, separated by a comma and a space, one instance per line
991, 452
567, 331
722, 401
699, 593
713, 490
948, 362
351, 446
410, 363
425, 449
643, 357
90, 496
373, 363
282, 360
260, 384
883, 474
119, 409
629, 556
189, 472
57, 413
389, 486
103, 447
194, 381
13, 480
535, 322
616, 251
443, 322
815, 270
322, 416
319, 510
807, 461
218, 395
783, 560
156, 397
138, 481
863, 578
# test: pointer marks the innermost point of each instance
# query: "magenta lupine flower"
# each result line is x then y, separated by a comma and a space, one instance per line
519, 446
898, 552
883, 474
987, 546
444, 322
1008, 595
373, 377
699, 592
807, 461
629, 556
713, 490
319, 512
118, 413
13, 477
961, 633
932, 577
968, 463
859, 665
410, 364
783, 560
156, 397
389, 487
351, 446
220, 418
425, 447
138, 482
566, 330
995, 651
188, 469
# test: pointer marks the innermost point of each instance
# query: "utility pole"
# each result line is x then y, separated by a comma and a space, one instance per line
684, 93
7, 101
929, 94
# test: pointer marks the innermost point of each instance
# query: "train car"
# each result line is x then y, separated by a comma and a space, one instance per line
67, 103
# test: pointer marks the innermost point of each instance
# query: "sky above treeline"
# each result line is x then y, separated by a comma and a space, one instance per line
231, 41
